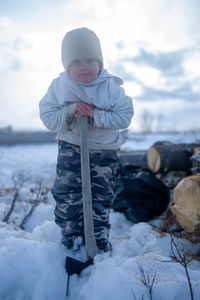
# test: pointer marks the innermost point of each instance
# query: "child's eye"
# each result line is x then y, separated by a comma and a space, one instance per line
77, 62
91, 60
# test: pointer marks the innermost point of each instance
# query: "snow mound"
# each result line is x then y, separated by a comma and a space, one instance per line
32, 266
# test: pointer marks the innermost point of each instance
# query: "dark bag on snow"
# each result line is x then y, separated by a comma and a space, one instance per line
141, 197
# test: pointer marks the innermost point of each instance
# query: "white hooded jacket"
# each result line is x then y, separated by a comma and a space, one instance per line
113, 110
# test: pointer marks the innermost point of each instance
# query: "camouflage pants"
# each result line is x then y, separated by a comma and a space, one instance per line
67, 190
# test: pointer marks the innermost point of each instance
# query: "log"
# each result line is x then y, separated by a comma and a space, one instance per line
186, 203
195, 158
171, 179
135, 159
164, 156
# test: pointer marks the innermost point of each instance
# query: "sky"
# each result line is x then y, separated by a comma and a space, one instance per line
154, 46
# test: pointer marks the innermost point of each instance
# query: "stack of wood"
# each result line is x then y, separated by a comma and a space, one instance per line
169, 162
184, 160
178, 166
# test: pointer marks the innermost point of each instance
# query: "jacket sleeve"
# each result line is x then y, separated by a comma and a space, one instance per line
52, 114
120, 113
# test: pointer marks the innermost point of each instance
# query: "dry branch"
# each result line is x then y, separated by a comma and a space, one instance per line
40, 195
18, 178
8, 214
180, 257
147, 280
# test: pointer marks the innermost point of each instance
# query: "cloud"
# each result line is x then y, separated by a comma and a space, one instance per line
184, 92
120, 70
20, 44
13, 46
162, 75
168, 63
13, 57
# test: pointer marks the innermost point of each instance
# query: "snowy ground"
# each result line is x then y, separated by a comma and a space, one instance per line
32, 261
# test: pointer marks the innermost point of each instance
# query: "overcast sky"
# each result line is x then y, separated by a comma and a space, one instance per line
153, 45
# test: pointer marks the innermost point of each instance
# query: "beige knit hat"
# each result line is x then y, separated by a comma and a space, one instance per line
80, 43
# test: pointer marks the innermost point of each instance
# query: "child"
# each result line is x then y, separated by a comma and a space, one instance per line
85, 89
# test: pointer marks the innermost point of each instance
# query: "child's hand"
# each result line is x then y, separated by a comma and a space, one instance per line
84, 109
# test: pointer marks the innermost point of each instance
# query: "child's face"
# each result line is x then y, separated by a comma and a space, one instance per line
84, 70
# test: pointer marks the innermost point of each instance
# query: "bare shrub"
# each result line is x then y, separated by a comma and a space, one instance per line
180, 257
18, 178
38, 195
147, 280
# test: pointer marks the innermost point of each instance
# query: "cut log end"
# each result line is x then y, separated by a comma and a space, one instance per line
153, 159
186, 206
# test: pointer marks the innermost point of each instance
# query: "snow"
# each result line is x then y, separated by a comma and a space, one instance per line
32, 260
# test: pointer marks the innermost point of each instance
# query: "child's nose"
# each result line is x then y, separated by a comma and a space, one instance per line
84, 64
